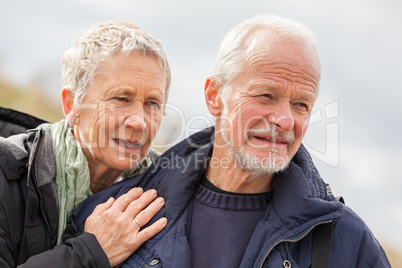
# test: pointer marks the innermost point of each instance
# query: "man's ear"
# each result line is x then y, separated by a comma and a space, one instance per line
212, 97
68, 105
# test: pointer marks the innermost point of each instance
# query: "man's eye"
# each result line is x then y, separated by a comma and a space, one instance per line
267, 96
302, 104
153, 103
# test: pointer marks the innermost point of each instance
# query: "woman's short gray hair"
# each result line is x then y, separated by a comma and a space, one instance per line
80, 62
231, 56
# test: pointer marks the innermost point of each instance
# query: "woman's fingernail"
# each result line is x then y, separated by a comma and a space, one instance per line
161, 200
138, 189
152, 192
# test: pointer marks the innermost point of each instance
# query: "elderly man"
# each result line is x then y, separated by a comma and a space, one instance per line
246, 193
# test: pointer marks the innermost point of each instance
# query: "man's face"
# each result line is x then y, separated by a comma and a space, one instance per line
121, 111
266, 114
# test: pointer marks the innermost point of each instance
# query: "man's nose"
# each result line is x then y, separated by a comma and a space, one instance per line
282, 117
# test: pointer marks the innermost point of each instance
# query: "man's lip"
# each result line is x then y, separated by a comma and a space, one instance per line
127, 144
276, 139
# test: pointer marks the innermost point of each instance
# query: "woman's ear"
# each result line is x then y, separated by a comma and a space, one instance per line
212, 97
68, 106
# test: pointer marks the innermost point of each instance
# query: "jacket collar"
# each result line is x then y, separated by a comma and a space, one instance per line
299, 193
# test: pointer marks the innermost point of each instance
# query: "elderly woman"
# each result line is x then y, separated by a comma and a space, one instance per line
115, 84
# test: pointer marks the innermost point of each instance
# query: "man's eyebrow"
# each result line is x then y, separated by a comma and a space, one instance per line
155, 94
264, 85
158, 98
121, 90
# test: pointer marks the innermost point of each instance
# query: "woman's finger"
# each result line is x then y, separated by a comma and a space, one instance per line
150, 231
99, 209
139, 204
145, 215
123, 201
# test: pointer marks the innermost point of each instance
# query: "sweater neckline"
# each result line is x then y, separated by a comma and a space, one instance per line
209, 185
230, 201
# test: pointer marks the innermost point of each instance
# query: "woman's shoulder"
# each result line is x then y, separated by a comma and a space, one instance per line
13, 156
14, 126
14, 122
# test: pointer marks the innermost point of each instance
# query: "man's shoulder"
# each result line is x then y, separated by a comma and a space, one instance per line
352, 235
350, 220
154, 154
172, 175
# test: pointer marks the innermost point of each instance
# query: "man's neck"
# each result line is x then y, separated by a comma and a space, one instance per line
226, 174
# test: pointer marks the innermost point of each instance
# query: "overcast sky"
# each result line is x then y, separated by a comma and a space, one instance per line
356, 127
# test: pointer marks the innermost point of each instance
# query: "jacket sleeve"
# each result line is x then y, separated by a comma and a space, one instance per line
381, 260
80, 251
6, 258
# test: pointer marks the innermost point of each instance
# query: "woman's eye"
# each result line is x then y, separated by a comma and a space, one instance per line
121, 99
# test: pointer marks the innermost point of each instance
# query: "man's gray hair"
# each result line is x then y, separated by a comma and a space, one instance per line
230, 61
80, 62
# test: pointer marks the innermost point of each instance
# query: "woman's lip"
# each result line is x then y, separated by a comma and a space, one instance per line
127, 144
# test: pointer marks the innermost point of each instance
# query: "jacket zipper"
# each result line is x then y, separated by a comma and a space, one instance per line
35, 183
43, 213
290, 240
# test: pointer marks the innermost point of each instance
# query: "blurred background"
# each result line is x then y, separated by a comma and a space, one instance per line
354, 133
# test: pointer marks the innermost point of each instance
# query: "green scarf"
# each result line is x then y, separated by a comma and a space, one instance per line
72, 172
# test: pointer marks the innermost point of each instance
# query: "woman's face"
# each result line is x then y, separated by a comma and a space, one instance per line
121, 111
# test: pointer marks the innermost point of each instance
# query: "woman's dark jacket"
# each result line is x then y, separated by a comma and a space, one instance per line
28, 201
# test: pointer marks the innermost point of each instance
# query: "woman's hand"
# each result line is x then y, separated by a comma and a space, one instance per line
116, 223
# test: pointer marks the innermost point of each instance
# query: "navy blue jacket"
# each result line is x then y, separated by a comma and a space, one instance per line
299, 203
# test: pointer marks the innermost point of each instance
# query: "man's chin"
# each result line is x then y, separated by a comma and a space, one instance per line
262, 161
266, 154
266, 169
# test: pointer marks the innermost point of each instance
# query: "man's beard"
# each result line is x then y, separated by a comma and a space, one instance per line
255, 166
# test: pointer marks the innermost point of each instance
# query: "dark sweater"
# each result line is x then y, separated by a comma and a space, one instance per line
222, 225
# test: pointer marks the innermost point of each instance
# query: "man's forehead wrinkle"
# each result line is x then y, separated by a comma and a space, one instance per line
264, 46
250, 62
290, 72
298, 74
